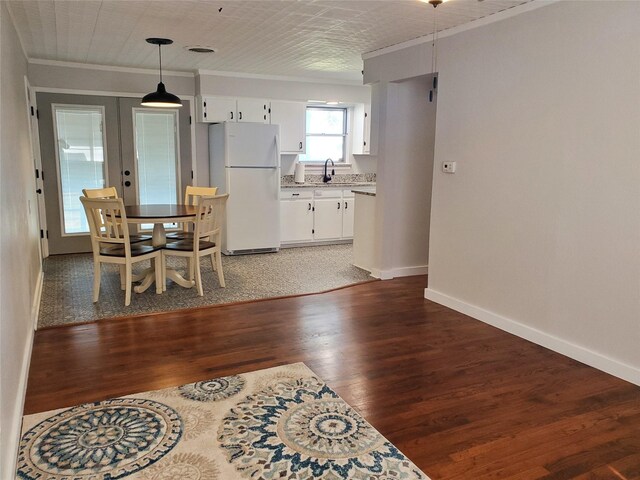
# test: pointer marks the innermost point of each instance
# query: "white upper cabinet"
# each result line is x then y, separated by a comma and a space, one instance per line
291, 116
253, 110
228, 109
366, 141
216, 109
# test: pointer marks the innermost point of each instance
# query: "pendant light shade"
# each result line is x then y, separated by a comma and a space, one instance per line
161, 98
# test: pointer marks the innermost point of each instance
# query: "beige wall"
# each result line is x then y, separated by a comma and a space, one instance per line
19, 250
538, 232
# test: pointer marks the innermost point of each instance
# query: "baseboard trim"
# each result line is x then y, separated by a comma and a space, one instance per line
16, 424
400, 272
559, 345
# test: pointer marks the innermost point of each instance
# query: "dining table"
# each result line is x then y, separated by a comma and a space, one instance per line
159, 214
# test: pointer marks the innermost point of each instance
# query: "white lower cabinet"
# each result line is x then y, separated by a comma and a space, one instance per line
296, 217
347, 214
308, 216
327, 221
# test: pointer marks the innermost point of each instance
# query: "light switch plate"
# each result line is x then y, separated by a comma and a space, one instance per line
449, 167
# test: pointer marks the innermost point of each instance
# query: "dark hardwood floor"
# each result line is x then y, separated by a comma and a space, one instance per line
460, 398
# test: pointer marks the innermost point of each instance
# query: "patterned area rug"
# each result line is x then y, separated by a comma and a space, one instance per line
279, 423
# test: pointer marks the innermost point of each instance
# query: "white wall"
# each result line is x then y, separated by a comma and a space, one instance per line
20, 264
405, 137
539, 230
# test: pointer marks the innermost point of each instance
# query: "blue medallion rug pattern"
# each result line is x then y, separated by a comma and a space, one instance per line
279, 423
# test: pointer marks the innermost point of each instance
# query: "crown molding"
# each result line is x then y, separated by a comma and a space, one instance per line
284, 78
109, 68
480, 22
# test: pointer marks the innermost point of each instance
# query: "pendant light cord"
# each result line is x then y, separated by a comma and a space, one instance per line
434, 46
160, 55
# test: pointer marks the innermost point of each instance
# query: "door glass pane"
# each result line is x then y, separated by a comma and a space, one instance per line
157, 157
81, 160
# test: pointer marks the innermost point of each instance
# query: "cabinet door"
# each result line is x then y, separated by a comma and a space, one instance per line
367, 130
347, 217
327, 223
291, 116
296, 220
253, 110
219, 109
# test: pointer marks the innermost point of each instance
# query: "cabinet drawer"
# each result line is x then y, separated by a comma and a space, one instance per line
327, 193
296, 194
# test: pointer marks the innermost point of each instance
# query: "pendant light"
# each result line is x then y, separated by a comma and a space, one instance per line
161, 98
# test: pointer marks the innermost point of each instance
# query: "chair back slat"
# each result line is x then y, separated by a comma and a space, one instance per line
107, 221
193, 194
106, 192
210, 218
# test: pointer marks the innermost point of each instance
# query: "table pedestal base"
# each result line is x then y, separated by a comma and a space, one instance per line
148, 278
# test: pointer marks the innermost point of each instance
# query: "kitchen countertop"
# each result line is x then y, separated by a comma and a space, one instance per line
329, 185
371, 191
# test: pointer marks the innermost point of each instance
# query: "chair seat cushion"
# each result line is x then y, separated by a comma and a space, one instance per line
139, 238
180, 236
187, 245
136, 250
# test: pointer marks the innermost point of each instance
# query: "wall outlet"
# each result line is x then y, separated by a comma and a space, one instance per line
449, 167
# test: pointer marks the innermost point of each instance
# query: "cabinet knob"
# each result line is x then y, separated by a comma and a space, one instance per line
300, 145
127, 183
338, 205
231, 115
309, 206
40, 191
239, 115
346, 205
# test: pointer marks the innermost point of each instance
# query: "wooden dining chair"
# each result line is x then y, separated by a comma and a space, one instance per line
111, 192
110, 243
208, 224
191, 197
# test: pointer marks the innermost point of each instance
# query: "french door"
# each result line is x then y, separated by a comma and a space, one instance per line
96, 141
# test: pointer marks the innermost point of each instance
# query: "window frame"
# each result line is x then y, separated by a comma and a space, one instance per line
105, 169
344, 134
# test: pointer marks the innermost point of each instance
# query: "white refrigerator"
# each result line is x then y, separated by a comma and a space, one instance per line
245, 163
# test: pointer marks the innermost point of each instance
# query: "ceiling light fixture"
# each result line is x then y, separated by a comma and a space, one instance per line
201, 49
161, 98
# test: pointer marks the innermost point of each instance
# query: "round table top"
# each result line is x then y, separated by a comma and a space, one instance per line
167, 210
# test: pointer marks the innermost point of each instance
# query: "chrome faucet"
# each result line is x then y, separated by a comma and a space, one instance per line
327, 178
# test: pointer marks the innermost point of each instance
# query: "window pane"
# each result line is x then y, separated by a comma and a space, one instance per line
319, 148
81, 157
157, 159
157, 164
327, 121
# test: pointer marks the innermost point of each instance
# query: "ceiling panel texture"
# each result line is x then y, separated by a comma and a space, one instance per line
305, 38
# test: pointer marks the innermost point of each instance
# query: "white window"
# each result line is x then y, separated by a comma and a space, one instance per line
81, 160
326, 134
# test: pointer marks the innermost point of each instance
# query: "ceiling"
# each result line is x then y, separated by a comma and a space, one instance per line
304, 38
